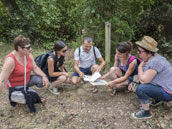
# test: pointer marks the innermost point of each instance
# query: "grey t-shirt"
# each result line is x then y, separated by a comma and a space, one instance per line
164, 72
86, 59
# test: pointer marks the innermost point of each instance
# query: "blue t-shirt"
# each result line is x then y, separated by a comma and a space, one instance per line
163, 68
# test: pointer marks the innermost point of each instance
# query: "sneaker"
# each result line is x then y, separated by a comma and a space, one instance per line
155, 103
54, 91
142, 114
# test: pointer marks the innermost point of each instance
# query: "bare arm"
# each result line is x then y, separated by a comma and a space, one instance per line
7, 69
129, 72
116, 61
76, 64
102, 64
51, 69
147, 76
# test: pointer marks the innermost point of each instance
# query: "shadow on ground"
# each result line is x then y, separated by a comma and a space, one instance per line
77, 107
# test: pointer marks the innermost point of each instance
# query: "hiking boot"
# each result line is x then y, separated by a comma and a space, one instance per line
54, 90
155, 103
142, 114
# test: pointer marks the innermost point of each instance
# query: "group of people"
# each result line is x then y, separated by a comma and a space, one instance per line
154, 71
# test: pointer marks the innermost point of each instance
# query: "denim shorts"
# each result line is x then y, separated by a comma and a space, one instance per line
86, 71
130, 78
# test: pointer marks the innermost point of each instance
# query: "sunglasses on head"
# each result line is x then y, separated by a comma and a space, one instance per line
64, 50
29, 47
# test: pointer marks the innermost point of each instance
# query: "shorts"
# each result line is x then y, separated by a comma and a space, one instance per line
52, 79
86, 71
130, 78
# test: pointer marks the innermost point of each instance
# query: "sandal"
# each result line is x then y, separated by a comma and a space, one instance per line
95, 90
113, 92
43, 100
134, 86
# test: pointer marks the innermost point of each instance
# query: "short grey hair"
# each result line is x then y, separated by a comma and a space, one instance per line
88, 39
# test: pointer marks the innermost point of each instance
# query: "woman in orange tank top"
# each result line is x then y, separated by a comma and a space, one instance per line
13, 67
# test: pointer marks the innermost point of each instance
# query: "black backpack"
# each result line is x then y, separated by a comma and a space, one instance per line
42, 59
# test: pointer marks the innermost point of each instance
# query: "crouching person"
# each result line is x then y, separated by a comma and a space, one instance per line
85, 61
124, 69
16, 73
155, 74
53, 66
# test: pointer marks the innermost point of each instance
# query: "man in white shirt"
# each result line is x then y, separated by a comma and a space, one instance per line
85, 61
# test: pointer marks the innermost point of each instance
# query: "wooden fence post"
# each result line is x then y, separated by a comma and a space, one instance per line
107, 44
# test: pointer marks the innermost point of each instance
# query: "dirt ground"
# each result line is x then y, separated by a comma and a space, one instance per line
78, 108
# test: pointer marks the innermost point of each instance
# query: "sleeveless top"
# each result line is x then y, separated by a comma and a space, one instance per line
125, 67
16, 78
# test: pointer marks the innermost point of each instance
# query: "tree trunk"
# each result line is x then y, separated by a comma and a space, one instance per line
12, 7
7, 6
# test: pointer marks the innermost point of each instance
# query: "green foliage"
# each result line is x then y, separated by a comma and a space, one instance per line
156, 22
122, 14
42, 21
45, 21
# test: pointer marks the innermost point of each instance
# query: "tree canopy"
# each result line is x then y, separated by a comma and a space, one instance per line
45, 21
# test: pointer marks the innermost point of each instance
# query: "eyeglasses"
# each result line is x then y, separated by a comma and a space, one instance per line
28, 48
140, 51
64, 50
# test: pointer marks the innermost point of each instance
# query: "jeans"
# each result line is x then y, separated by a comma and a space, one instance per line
146, 91
35, 80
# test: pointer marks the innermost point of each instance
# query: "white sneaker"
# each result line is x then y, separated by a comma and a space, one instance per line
54, 90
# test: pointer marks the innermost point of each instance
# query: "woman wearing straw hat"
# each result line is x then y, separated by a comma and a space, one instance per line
155, 74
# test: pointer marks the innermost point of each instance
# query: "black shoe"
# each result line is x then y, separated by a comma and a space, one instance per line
142, 114
155, 103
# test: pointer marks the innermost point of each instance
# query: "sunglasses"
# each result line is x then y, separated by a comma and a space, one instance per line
28, 48
140, 51
64, 50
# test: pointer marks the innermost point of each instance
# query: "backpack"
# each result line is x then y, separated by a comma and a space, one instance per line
42, 59
134, 57
93, 51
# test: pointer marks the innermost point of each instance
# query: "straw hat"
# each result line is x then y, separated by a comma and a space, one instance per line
148, 43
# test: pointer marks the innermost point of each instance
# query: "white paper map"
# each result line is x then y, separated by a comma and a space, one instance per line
92, 78
99, 82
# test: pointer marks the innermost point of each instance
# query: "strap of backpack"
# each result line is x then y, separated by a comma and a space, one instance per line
132, 57
24, 75
94, 52
79, 52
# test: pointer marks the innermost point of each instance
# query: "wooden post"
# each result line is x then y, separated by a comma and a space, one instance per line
107, 44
